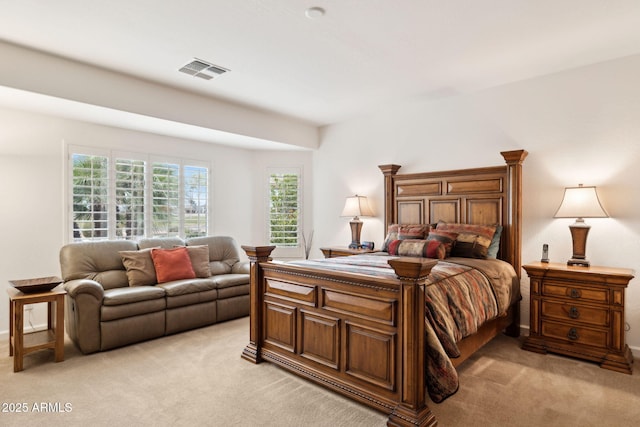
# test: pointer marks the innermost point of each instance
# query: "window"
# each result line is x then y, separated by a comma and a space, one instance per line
166, 199
129, 188
90, 196
284, 209
128, 196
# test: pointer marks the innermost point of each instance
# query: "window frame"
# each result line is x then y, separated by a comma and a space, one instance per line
149, 159
297, 251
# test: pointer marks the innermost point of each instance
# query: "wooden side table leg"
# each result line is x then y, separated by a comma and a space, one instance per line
50, 313
11, 308
18, 336
59, 327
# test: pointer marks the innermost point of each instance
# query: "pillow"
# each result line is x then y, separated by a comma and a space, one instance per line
447, 239
413, 231
172, 264
473, 240
494, 247
404, 231
199, 256
139, 266
417, 248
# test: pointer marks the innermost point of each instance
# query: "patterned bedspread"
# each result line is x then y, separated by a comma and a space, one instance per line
461, 295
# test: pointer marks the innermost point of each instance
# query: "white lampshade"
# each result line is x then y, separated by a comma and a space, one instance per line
356, 206
580, 202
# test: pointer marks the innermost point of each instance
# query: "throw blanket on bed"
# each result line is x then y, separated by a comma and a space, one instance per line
460, 296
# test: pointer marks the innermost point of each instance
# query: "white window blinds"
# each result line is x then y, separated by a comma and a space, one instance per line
129, 197
284, 209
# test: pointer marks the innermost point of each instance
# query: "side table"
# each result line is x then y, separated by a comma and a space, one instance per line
579, 312
21, 343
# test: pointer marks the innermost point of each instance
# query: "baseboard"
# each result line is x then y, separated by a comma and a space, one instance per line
4, 335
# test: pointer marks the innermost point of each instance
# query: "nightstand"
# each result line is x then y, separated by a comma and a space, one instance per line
579, 312
337, 251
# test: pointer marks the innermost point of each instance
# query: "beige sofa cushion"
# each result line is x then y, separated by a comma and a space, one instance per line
223, 253
140, 269
99, 261
200, 260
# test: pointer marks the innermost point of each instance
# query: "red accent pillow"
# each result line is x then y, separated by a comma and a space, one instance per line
418, 248
172, 264
404, 231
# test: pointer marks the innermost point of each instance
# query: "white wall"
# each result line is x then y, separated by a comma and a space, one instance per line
32, 182
579, 126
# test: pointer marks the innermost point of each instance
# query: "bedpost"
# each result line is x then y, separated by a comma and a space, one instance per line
389, 172
412, 409
256, 254
514, 161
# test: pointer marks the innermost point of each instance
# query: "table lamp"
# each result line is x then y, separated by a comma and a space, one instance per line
580, 202
356, 206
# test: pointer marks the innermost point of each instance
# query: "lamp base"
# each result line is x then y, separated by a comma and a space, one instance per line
579, 262
356, 228
579, 231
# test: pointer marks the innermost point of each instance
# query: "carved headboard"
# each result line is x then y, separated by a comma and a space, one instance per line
490, 195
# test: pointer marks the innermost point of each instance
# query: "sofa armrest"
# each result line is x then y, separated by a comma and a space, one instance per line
84, 286
82, 316
240, 267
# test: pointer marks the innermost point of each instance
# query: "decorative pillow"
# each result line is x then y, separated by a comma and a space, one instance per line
139, 265
417, 248
199, 255
392, 234
473, 240
413, 231
447, 239
172, 264
404, 231
494, 247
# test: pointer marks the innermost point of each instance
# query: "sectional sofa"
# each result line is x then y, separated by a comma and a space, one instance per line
121, 292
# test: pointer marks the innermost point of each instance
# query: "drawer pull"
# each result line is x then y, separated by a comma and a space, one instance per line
573, 334
574, 313
575, 293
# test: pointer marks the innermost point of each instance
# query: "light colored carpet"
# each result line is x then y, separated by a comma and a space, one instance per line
197, 378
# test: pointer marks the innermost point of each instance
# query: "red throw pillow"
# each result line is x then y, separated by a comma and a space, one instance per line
418, 248
172, 264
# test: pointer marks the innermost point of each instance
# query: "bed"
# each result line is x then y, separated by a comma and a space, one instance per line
368, 335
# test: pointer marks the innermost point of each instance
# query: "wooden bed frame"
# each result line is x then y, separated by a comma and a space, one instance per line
364, 336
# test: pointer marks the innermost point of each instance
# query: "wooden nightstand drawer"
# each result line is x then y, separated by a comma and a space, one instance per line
575, 312
578, 293
575, 334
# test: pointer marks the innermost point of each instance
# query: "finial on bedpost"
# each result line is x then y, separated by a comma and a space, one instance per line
389, 172
258, 253
412, 268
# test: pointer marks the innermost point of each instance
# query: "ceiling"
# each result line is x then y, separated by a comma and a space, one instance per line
358, 56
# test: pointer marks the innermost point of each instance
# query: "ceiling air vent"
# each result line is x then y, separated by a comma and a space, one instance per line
202, 69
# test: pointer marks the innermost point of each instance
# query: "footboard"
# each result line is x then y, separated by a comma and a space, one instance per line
360, 336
